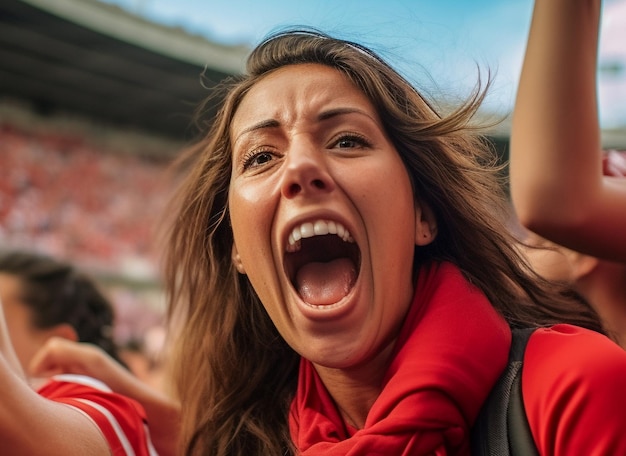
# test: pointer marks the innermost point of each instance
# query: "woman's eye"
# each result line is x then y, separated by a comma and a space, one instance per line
256, 159
351, 141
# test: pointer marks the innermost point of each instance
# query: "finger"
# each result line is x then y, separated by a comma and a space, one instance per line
55, 357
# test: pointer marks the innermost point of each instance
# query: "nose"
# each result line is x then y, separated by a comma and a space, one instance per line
305, 172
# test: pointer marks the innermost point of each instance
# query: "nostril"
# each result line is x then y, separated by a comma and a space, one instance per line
294, 189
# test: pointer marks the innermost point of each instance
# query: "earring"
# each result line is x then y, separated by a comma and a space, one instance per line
238, 264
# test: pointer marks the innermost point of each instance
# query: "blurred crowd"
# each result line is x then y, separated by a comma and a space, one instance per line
68, 197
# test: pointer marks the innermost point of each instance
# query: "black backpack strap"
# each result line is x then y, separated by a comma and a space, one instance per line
502, 428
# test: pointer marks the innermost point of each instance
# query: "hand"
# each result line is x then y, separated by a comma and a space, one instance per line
62, 356
614, 163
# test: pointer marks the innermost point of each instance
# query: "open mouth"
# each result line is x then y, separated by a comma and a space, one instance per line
322, 262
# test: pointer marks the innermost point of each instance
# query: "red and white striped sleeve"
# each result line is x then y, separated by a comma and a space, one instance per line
121, 420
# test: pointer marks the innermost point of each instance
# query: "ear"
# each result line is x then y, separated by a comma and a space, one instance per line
65, 331
425, 224
237, 260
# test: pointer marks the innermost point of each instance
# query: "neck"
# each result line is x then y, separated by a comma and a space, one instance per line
355, 389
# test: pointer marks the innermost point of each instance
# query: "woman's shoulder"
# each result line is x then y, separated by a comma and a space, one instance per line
572, 384
566, 355
573, 348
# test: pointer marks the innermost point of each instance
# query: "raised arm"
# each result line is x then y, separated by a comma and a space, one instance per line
557, 184
58, 429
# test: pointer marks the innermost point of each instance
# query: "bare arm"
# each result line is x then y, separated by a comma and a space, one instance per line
65, 356
59, 429
557, 184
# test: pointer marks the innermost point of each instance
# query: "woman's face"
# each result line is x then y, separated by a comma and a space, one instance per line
323, 215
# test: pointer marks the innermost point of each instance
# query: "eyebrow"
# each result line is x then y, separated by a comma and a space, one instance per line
325, 115
269, 123
341, 111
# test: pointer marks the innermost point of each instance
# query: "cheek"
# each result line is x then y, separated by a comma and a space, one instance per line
391, 211
25, 342
250, 217
390, 198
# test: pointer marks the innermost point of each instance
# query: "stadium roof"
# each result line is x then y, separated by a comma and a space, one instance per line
99, 60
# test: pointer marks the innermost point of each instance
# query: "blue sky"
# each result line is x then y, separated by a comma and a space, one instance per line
437, 44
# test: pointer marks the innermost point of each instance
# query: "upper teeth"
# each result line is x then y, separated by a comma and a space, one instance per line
318, 228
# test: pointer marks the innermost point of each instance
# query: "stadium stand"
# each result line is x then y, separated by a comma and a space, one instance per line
94, 103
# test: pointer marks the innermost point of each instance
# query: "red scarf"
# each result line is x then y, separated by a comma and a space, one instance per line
450, 352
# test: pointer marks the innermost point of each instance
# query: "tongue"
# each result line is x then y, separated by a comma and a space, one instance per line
325, 283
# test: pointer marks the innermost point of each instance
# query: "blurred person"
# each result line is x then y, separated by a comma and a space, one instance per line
557, 181
45, 297
42, 300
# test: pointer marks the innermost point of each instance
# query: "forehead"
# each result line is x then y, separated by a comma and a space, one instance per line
297, 91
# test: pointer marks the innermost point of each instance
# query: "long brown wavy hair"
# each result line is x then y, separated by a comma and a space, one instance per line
235, 375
